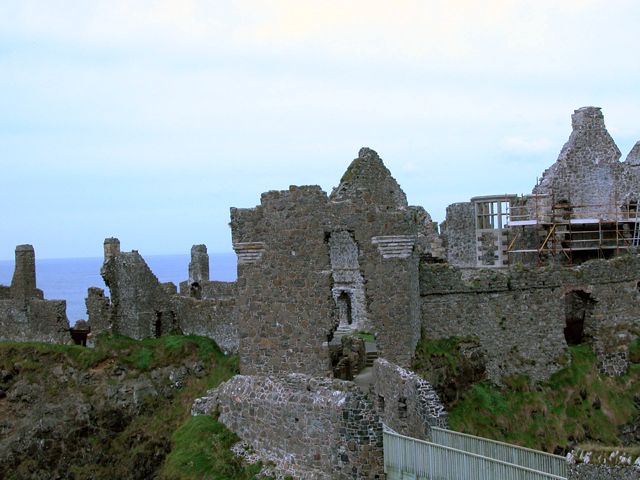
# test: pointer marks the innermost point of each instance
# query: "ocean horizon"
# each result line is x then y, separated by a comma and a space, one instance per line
69, 278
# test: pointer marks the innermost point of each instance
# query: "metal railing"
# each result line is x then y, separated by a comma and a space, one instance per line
525, 457
406, 457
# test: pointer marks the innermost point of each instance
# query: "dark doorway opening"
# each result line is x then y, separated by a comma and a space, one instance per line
158, 324
578, 306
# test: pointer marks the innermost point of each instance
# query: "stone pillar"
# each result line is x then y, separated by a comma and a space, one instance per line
199, 266
23, 284
111, 247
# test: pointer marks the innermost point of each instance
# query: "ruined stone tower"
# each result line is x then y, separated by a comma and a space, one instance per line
198, 270
24, 314
23, 284
306, 260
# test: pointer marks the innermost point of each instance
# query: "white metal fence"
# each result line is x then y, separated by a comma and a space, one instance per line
406, 457
525, 457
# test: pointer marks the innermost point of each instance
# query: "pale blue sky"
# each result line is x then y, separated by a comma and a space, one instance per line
147, 120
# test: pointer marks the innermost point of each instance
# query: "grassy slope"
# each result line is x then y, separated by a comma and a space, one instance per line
575, 405
199, 445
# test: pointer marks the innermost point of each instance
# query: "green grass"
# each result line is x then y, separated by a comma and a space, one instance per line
448, 348
201, 452
575, 405
367, 337
162, 425
141, 356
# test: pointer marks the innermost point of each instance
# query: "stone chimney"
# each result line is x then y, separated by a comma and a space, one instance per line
590, 117
111, 247
199, 266
23, 284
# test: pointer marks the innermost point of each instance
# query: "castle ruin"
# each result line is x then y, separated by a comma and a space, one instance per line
524, 276
25, 316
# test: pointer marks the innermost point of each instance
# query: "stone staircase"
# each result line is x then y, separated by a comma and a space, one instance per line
372, 355
342, 330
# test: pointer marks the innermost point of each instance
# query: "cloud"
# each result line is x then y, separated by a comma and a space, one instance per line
537, 38
524, 145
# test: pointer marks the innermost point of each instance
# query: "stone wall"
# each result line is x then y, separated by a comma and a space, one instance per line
594, 463
285, 304
348, 357
24, 314
311, 428
460, 234
210, 317
23, 283
585, 471
99, 310
408, 404
141, 307
289, 286
524, 317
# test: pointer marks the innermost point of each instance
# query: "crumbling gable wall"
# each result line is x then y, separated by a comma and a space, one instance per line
520, 315
588, 170
141, 307
310, 428
24, 314
286, 283
586, 185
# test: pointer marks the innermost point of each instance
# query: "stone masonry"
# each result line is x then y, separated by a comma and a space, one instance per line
588, 171
409, 404
299, 250
525, 318
583, 190
24, 314
141, 307
311, 428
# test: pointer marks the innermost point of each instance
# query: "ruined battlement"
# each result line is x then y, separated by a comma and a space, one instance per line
23, 284
141, 307
111, 247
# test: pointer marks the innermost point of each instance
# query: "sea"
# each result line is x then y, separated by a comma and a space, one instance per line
69, 278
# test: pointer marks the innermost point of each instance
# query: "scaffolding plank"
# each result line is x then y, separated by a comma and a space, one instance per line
517, 223
584, 220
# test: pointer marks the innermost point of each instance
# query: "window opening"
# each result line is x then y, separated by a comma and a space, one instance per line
158, 324
490, 215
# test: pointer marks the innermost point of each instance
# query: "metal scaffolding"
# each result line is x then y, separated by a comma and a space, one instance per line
570, 233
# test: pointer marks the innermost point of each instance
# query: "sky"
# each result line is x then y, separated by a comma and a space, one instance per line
148, 120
